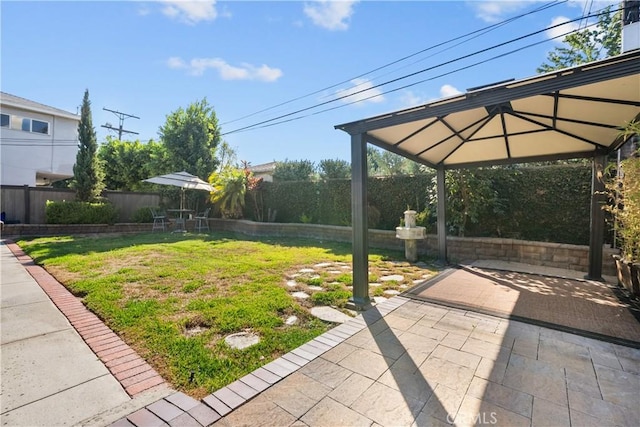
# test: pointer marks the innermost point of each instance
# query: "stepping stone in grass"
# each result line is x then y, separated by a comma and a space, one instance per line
329, 314
323, 265
300, 295
394, 277
242, 340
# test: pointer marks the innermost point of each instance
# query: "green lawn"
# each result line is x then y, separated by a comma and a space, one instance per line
174, 298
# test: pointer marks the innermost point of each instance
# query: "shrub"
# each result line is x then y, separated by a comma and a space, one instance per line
624, 191
80, 213
143, 215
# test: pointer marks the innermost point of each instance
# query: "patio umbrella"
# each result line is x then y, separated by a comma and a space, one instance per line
184, 180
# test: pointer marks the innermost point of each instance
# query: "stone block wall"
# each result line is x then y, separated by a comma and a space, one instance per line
17, 230
459, 249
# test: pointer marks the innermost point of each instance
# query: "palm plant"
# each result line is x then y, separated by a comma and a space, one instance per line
230, 187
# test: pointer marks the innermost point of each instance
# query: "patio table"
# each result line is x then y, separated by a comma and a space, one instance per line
179, 217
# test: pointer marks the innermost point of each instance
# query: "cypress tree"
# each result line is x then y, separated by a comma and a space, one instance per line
88, 174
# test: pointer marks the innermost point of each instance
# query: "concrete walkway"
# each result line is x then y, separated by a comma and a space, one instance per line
50, 376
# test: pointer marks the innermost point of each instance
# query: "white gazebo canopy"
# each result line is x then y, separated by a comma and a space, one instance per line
571, 113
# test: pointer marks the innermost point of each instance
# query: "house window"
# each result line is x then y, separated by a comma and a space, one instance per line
39, 126
25, 124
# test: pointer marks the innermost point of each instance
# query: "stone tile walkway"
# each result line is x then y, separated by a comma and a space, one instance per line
411, 363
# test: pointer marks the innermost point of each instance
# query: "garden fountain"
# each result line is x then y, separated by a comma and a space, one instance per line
410, 233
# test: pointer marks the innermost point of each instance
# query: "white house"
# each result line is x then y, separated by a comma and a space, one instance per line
38, 143
264, 171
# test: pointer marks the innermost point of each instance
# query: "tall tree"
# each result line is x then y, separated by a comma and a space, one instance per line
294, 170
386, 163
587, 45
227, 156
335, 169
191, 137
127, 163
88, 175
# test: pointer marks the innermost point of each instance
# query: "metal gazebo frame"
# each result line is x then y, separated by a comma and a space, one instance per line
576, 112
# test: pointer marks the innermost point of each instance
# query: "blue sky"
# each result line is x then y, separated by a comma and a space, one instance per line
150, 58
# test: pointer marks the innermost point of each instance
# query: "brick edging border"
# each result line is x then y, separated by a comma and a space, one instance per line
133, 372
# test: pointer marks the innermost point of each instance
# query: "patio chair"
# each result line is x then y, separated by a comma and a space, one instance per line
202, 220
159, 220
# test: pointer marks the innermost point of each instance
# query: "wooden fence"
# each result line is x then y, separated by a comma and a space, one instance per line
26, 205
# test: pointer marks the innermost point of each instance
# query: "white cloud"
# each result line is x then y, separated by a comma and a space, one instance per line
591, 4
448, 90
494, 11
562, 29
410, 99
176, 62
190, 11
330, 14
197, 67
497, 10
143, 10
365, 92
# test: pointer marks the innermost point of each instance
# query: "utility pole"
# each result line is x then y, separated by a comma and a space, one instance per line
121, 117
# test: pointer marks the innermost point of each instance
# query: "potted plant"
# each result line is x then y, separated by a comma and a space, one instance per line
625, 191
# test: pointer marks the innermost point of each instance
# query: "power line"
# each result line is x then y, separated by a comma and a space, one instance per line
121, 118
256, 125
415, 83
475, 34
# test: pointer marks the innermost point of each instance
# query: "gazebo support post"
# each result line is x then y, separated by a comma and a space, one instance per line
441, 214
596, 228
360, 299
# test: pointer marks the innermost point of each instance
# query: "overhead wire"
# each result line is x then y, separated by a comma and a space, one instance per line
475, 34
411, 84
258, 125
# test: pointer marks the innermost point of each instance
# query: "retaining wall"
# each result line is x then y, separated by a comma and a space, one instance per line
559, 255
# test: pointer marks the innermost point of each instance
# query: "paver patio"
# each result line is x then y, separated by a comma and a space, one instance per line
413, 363
422, 364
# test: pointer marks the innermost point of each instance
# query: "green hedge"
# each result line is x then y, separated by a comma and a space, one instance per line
80, 213
550, 203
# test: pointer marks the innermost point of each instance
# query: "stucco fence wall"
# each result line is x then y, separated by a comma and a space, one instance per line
559, 255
